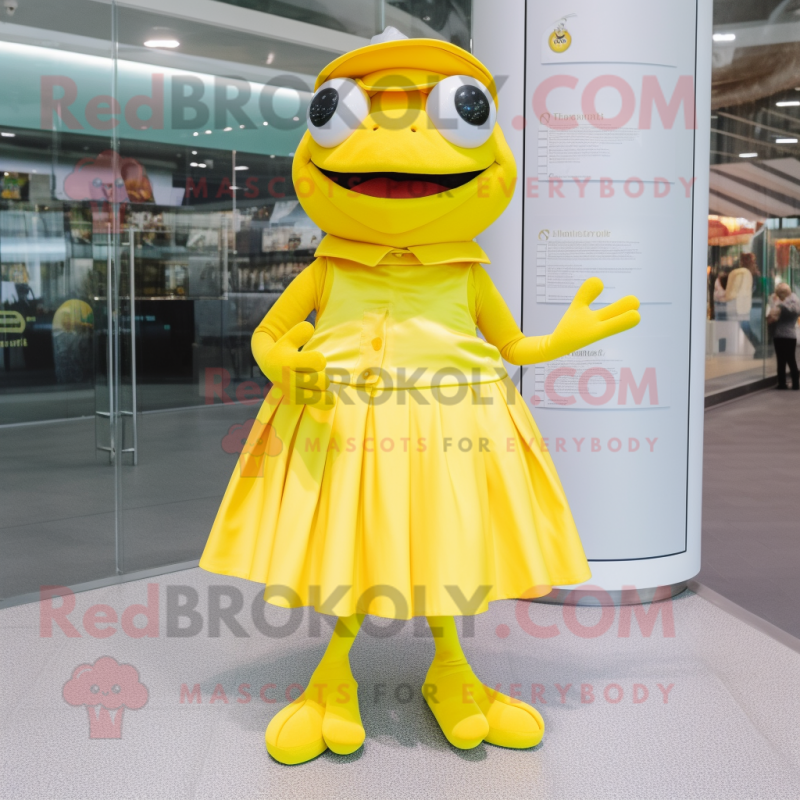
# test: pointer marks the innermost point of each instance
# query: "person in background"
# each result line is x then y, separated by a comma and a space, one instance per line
783, 315
739, 292
752, 327
720, 293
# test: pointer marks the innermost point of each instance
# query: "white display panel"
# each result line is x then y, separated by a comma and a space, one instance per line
615, 177
625, 250
607, 376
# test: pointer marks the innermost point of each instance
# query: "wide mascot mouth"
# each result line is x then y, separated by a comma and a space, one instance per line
399, 185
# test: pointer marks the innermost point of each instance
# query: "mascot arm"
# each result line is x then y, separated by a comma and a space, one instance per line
580, 326
297, 374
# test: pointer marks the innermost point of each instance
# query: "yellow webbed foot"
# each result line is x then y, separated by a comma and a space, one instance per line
512, 723
294, 734
342, 729
468, 712
326, 716
448, 692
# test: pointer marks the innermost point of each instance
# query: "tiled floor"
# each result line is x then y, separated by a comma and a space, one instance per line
726, 728
751, 505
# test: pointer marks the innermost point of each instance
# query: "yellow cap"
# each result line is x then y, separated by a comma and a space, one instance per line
400, 79
406, 64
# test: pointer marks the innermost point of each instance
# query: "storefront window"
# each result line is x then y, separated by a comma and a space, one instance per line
148, 221
754, 199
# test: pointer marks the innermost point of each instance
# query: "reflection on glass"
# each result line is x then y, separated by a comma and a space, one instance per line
148, 221
57, 500
755, 192
435, 19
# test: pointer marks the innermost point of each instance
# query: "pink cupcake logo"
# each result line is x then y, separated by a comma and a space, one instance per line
106, 688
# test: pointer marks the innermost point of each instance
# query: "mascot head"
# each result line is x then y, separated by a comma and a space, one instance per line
403, 146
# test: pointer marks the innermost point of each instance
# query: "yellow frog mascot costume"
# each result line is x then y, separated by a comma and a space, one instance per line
393, 469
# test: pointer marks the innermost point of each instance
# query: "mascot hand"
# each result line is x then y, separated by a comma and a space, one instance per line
580, 326
298, 375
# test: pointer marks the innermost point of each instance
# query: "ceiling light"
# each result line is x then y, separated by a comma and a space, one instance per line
748, 155
724, 37
194, 152
296, 119
208, 131
243, 167
7, 135
270, 58
169, 44
785, 103
241, 126
266, 123
272, 156
228, 128
195, 134
786, 141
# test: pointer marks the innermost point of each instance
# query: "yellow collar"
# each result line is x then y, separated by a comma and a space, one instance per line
426, 254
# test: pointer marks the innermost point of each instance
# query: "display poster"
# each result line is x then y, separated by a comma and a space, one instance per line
609, 177
607, 375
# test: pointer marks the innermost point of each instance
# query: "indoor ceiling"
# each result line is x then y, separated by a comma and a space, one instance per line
54, 24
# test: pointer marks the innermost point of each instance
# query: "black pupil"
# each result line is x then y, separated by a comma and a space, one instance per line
472, 105
323, 107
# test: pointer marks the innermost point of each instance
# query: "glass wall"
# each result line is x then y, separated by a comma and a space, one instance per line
437, 19
147, 223
754, 204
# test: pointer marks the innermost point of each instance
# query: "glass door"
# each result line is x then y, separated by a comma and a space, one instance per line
57, 490
211, 233
148, 222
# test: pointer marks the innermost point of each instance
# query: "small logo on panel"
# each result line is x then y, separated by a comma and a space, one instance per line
560, 38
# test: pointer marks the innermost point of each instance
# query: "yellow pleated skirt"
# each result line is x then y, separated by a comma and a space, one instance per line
402, 505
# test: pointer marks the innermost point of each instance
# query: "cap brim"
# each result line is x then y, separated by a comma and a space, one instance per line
419, 54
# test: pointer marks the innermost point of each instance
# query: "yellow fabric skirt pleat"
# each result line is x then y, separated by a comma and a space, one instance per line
405, 504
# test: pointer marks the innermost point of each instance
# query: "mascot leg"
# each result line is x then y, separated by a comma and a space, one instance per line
467, 711
326, 715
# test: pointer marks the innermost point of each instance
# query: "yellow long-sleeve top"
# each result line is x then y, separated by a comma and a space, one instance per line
311, 290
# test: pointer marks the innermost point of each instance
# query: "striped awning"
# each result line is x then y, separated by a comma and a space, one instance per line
756, 189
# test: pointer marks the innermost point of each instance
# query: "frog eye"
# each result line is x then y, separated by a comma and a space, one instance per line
337, 108
462, 110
